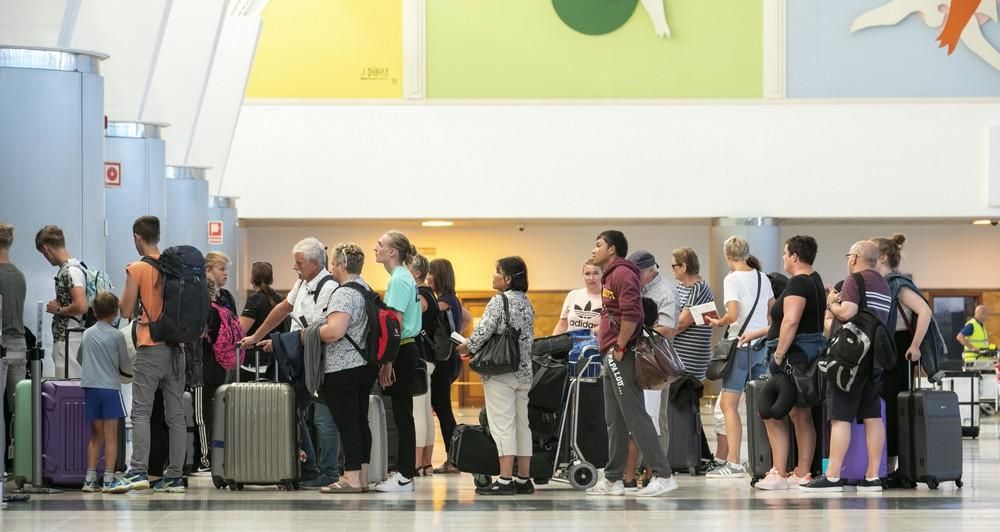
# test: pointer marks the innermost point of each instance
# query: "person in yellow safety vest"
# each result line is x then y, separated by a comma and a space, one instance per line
973, 336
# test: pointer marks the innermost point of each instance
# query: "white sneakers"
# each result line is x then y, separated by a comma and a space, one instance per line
795, 481
656, 487
395, 484
606, 487
730, 470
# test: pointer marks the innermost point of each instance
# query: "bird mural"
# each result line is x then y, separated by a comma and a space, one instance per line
599, 17
959, 20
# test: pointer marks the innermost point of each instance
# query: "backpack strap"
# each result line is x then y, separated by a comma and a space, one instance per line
319, 287
364, 295
862, 290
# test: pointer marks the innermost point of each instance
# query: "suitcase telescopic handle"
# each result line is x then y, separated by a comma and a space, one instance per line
66, 356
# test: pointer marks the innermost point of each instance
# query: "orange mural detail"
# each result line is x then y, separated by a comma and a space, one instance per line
959, 14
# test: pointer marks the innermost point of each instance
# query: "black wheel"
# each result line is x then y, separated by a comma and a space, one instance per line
239, 487
481, 481
232, 487
218, 482
959, 483
932, 483
582, 476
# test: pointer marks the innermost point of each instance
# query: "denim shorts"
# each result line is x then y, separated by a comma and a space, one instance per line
737, 379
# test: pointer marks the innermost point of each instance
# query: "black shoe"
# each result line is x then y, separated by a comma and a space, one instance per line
524, 488
823, 485
496, 488
870, 485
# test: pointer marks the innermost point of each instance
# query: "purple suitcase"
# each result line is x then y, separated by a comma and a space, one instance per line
856, 461
64, 434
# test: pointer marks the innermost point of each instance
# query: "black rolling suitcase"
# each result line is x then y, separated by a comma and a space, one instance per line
684, 430
930, 437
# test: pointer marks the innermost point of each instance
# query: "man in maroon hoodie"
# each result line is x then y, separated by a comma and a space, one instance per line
624, 405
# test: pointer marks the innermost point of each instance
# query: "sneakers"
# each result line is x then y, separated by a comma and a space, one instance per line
658, 486
169, 485
729, 470
116, 486
772, 482
496, 488
870, 485
795, 481
606, 487
395, 484
91, 486
824, 485
204, 470
708, 466
524, 488
135, 481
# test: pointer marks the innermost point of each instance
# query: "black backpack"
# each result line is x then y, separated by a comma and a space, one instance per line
185, 296
384, 329
860, 343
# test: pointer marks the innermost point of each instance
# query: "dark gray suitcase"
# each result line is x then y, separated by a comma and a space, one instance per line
930, 437
684, 433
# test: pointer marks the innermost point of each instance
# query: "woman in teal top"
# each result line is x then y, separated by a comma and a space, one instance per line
393, 251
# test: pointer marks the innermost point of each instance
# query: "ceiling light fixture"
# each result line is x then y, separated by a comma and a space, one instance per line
437, 223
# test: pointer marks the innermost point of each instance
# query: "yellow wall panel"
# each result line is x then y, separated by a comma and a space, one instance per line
329, 49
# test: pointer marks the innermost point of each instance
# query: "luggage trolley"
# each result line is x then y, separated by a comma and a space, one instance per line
576, 470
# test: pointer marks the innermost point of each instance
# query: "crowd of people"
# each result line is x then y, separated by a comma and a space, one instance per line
781, 324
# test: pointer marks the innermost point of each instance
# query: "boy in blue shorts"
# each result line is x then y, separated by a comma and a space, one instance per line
104, 358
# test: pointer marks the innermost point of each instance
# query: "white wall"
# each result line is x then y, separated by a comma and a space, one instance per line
659, 160
939, 256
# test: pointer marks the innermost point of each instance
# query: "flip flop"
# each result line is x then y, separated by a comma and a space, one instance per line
340, 487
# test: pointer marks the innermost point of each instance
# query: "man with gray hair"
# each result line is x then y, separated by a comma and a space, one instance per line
863, 403
306, 303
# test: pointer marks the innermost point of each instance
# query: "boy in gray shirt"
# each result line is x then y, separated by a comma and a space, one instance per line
104, 359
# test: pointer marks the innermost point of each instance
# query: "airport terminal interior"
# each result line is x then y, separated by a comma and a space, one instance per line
262, 249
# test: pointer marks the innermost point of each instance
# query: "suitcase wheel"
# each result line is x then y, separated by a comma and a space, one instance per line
582, 475
932, 483
290, 485
481, 481
219, 483
959, 483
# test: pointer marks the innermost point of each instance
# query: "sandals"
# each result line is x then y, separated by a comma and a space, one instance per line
446, 469
425, 471
341, 486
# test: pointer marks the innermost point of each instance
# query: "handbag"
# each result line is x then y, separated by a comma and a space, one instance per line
656, 362
420, 383
501, 353
807, 383
722, 356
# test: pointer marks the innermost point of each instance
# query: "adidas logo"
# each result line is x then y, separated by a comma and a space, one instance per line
586, 312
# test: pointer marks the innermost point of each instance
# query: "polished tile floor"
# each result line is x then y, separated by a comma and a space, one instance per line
449, 503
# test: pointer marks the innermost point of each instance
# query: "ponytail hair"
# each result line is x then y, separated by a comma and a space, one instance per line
405, 250
262, 276
754, 262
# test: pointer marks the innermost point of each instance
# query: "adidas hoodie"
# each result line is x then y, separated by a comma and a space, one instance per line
622, 301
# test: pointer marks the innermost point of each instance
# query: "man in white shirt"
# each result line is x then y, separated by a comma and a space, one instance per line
306, 304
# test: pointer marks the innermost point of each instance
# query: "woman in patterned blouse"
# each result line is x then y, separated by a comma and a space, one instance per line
507, 394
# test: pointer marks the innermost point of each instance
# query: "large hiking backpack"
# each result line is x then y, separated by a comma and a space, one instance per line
226, 344
185, 296
860, 343
384, 329
96, 282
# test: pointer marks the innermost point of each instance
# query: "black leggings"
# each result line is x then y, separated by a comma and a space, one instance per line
778, 397
441, 381
401, 393
895, 381
346, 392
